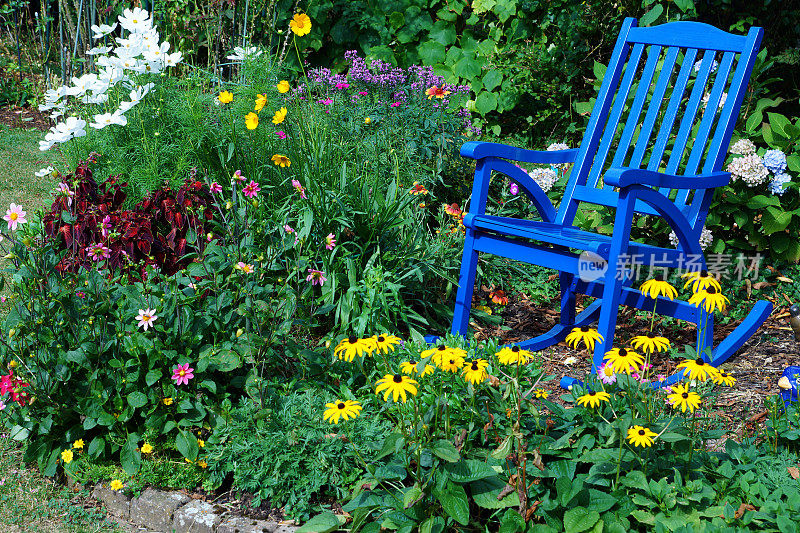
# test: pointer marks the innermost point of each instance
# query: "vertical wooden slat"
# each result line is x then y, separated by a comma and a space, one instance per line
612, 124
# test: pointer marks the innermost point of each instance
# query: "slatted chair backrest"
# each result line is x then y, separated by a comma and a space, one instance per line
668, 102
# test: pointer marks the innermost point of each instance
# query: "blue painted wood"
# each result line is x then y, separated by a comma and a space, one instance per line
608, 170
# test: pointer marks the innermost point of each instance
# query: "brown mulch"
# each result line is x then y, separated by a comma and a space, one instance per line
756, 366
24, 117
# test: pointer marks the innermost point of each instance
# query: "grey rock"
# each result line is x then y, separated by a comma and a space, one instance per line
285, 529
117, 503
197, 516
154, 509
239, 524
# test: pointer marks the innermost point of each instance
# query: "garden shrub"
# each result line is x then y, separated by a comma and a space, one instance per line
283, 453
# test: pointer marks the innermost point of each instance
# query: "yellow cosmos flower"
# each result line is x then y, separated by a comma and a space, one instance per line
386, 343
300, 24
261, 101
116, 485
367, 120
681, 397
641, 436
251, 121
345, 410
657, 286
583, 334
438, 353
281, 160
397, 386
225, 97
701, 280
723, 378
710, 299
201, 443
593, 399
650, 343
147, 448
475, 371
351, 346
283, 86
541, 393
202, 463
623, 360
412, 367
514, 356
280, 115
78, 444
67, 456
167, 401
698, 369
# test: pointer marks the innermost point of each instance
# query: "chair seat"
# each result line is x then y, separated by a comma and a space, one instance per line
565, 236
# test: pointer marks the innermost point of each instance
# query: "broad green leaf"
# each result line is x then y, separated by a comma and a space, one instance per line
775, 219
411, 496
392, 444
443, 33
482, 6
322, 523
512, 522
129, 456
684, 5
434, 524
651, 16
454, 502
760, 201
227, 360
397, 19
580, 519
485, 493
492, 79
186, 443
754, 121
778, 124
96, 446
137, 399
504, 449
468, 470
444, 449
486, 102
431, 52
600, 501
468, 67
152, 377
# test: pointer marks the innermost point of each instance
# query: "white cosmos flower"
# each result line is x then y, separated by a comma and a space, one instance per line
95, 98
73, 126
102, 30
99, 50
106, 119
81, 85
45, 172
156, 53
171, 60
45, 145
239, 53
135, 20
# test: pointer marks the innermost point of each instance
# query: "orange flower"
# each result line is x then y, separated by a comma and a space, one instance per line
438, 92
499, 297
452, 210
418, 189
300, 24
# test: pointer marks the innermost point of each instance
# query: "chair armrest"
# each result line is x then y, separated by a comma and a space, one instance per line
479, 150
624, 177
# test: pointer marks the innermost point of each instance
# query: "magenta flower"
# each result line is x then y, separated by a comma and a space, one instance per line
394, 104
363, 93
514, 189
288, 229
316, 277
330, 241
64, 190
342, 85
15, 215
215, 187
98, 252
281, 134
251, 189
299, 188
326, 101
105, 226
238, 176
182, 374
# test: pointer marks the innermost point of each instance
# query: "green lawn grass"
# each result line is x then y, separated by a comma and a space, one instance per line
28, 501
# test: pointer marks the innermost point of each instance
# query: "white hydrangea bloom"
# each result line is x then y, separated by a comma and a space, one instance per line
743, 147
706, 238
544, 177
721, 103
750, 169
559, 146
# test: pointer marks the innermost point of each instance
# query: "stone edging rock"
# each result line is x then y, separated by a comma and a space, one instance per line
174, 512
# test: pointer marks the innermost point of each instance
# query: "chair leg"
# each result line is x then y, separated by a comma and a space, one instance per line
567, 298
705, 332
607, 323
466, 286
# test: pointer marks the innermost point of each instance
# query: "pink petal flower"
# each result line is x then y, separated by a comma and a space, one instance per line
330, 241
316, 277
215, 187
281, 134
251, 189
15, 215
182, 374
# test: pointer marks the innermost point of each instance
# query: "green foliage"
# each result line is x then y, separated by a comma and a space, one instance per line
286, 454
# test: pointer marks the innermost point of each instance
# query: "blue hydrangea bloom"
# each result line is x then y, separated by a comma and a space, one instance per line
775, 161
778, 184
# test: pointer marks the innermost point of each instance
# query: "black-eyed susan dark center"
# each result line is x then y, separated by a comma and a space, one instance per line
398, 378
474, 365
381, 339
623, 352
340, 405
352, 339
704, 273
641, 432
592, 393
659, 277
651, 335
711, 290
585, 329
700, 361
685, 395
442, 348
515, 349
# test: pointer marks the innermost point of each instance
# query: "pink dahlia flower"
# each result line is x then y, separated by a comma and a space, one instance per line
316, 277
15, 215
251, 190
182, 374
330, 241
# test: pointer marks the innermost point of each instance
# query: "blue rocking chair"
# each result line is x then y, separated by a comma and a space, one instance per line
655, 144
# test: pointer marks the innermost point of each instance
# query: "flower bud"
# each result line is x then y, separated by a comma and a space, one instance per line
11, 333
239, 332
